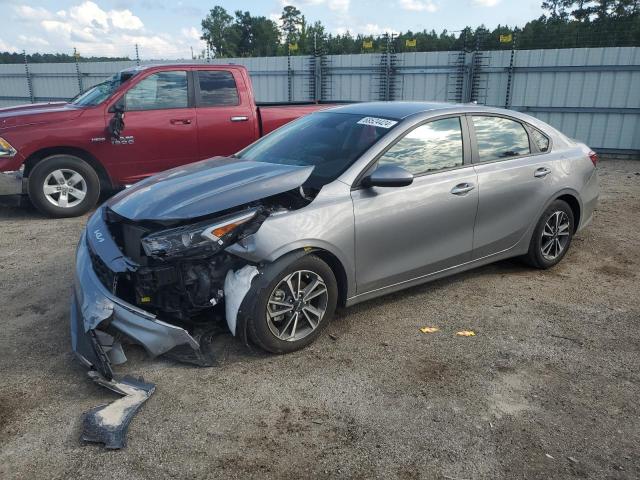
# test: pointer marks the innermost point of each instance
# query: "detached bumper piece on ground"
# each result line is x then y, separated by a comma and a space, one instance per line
108, 424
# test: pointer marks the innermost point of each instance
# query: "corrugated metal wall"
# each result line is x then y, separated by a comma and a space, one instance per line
591, 94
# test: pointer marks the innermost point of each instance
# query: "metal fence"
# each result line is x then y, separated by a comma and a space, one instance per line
592, 94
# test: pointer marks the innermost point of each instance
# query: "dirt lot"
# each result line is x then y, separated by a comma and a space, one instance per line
549, 387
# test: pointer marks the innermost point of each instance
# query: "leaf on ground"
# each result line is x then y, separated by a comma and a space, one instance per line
429, 329
466, 333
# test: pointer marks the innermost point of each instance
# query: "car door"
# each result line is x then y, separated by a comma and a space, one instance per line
403, 233
226, 118
515, 177
160, 126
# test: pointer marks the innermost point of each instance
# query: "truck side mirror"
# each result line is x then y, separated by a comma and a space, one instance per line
116, 124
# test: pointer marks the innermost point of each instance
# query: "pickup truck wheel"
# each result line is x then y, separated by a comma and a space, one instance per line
63, 186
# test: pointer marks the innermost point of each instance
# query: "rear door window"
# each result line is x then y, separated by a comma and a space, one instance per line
499, 138
217, 88
540, 139
160, 91
433, 146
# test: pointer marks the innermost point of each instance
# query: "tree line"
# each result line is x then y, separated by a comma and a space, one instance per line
14, 57
565, 24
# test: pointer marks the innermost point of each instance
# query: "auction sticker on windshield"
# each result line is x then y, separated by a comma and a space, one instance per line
377, 122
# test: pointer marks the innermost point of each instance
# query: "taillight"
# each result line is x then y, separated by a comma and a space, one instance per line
594, 157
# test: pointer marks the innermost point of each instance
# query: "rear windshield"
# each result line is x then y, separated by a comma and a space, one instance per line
329, 141
100, 92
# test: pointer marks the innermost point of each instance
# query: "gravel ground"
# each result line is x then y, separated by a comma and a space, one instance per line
548, 388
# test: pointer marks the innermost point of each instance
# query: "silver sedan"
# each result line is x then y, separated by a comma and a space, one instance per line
338, 207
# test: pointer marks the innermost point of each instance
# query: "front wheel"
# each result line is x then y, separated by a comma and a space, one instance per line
552, 236
63, 186
294, 303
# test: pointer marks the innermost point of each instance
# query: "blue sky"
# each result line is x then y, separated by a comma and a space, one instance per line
169, 28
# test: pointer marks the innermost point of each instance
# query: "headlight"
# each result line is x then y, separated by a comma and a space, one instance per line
6, 150
202, 234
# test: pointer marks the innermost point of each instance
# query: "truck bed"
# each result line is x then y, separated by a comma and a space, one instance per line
274, 115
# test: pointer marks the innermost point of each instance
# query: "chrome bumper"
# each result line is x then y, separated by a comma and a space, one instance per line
12, 183
94, 309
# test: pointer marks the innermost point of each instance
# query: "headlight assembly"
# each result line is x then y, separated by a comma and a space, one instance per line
6, 150
203, 234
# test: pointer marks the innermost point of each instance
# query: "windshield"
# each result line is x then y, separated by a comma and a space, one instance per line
100, 92
329, 141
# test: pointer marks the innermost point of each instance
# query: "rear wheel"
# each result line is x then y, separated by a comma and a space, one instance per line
63, 186
552, 236
294, 303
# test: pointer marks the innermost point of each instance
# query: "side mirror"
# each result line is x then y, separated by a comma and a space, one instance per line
116, 124
388, 176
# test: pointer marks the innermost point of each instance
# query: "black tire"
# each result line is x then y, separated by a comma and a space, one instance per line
257, 325
536, 256
41, 175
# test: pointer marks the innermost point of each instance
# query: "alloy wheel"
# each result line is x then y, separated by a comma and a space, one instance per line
555, 235
64, 188
297, 305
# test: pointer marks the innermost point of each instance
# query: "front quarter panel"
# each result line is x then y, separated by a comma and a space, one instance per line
326, 223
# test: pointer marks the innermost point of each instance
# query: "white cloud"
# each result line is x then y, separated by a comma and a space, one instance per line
369, 29
125, 20
420, 5
339, 5
88, 14
33, 40
375, 29
5, 47
97, 32
30, 13
486, 3
191, 33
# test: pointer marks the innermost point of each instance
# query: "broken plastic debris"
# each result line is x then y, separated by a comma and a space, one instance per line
429, 329
109, 423
466, 333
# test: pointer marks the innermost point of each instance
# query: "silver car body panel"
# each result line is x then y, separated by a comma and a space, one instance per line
421, 234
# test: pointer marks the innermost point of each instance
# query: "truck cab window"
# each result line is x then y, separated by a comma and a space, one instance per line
160, 91
217, 88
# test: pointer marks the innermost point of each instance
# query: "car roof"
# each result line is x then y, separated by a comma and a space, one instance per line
394, 110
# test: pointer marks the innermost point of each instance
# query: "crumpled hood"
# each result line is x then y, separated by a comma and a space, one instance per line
37, 113
205, 188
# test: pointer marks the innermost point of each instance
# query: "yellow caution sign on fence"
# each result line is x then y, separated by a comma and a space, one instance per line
410, 42
506, 38
293, 47
367, 44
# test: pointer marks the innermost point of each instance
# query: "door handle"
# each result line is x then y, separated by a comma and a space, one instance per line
462, 188
542, 172
180, 121
240, 118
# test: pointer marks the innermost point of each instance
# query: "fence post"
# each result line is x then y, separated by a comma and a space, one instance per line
28, 76
137, 55
289, 74
76, 56
507, 100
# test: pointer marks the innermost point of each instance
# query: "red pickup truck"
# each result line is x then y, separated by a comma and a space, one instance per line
141, 121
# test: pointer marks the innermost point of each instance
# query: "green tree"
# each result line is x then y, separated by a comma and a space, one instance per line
266, 37
291, 20
216, 31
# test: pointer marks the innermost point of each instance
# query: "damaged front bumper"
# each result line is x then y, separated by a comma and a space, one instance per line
100, 321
